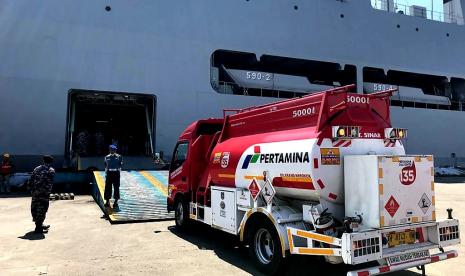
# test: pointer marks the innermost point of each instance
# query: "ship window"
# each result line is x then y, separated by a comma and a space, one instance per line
242, 73
417, 90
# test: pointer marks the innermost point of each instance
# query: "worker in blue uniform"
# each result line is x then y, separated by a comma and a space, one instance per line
113, 164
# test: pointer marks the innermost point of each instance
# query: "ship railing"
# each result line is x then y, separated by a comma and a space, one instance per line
402, 7
412, 103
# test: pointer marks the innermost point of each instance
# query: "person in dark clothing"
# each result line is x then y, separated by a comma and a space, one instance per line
113, 164
40, 184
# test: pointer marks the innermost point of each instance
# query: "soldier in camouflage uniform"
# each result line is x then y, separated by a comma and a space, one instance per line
41, 185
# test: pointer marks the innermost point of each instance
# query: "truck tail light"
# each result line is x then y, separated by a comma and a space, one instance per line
347, 132
395, 133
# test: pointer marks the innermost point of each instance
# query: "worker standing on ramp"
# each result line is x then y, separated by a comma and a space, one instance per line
113, 164
41, 183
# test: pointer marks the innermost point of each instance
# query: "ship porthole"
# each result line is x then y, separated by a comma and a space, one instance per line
416, 29
398, 26
447, 34
342, 15
108, 8
296, 7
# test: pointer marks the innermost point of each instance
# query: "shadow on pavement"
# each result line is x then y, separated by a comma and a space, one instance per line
450, 179
32, 236
228, 248
14, 195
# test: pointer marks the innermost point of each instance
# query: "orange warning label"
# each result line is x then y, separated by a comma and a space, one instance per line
330, 156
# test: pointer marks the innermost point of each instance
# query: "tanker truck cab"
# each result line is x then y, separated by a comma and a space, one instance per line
188, 166
323, 175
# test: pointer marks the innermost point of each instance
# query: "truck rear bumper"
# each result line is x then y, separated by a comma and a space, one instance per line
377, 270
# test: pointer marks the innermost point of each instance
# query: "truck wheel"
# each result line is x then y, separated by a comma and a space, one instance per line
265, 247
181, 214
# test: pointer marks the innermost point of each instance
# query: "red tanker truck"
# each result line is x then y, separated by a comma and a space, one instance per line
321, 175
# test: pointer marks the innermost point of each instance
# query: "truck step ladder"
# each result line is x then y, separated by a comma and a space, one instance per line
143, 196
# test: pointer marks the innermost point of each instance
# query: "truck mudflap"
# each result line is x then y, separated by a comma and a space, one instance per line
377, 270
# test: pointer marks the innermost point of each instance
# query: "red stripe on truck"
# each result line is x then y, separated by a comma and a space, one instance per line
363, 273
450, 255
319, 141
384, 269
434, 259
332, 196
338, 143
315, 163
320, 183
421, 237
342, 143
281, 183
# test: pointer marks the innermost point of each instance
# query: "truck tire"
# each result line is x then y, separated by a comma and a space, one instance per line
181, 214
265, 247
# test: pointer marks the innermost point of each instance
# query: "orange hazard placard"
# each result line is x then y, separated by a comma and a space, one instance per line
330, 156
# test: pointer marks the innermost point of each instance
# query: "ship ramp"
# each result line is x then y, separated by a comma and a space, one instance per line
143, 196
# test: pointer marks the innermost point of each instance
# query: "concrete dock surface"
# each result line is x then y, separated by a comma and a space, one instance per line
82, 242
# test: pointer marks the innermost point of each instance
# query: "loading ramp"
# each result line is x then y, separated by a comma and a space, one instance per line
143, 196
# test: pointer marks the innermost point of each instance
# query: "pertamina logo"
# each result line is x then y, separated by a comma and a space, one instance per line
274, 158
392, 206
409, 172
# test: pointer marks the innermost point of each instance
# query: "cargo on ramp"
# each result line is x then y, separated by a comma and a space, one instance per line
143, 196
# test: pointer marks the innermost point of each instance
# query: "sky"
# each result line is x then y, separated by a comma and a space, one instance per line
437, 4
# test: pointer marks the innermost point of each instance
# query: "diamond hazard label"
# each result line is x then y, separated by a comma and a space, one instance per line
424, 203
254, 189
392, 206
268, 192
